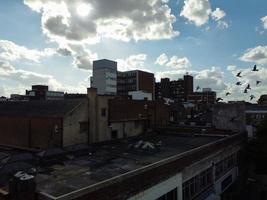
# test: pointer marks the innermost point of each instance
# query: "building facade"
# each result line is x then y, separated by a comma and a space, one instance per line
177, 90
255, 115
206, 96
43, 124
105, 76
42, 92
135, 80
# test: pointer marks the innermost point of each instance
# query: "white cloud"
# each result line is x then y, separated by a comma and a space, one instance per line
264, 22
211, 78
196, 11
10, 51
117, 19
218, 14
222, 24
257, 54
162, 59
199, 12
24, 79
173, 74
176, 67
178, 63
174, 62
133, 62
231, 67
83, 57
5, 68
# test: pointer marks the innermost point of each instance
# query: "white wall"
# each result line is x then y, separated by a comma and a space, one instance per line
103, 79
140, 95
71, 126
131, 128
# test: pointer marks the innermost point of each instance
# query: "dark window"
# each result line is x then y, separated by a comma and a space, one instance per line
136, 124
114, 134
103, 112
172, 195
83, 127
197, 184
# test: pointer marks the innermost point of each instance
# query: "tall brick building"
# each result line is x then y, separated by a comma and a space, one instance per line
176, 89
135, 80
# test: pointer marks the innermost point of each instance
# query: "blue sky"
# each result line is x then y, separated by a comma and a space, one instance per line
54, 42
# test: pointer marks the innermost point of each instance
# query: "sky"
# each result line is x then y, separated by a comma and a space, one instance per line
54, 42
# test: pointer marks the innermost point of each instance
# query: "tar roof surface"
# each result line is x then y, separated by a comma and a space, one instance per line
112, 160
38, 108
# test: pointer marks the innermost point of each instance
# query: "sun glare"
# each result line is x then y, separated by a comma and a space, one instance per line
84, 9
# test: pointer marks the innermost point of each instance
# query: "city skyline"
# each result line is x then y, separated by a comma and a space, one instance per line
55, 43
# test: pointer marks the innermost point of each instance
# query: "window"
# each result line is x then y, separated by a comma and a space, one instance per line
197, 184
172, 195
83, 127
225, 165
114, 134
136, 124
103, 112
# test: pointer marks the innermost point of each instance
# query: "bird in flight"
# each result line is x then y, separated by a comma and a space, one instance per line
248, 87
219, 99
238, 83
255, 68
227, 94
258, 82
239, 74
252, 97
246, 91
198, 88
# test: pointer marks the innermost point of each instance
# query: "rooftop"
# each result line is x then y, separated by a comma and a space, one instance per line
113, 161
38, 108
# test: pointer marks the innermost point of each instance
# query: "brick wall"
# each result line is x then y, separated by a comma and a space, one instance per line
122, 109
30, 132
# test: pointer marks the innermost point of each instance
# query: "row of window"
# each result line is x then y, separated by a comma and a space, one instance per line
172, 195
197, 184
225, 165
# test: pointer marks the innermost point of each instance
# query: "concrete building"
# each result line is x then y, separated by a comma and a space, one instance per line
156, 167
255, 115
115, 118
229, 116
135, 80
176, 89
105, 76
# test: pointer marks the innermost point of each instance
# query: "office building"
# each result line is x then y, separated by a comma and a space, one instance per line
135, 80
105, 77
207, 96
177, 90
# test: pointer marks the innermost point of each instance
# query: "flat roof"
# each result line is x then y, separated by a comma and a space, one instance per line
114, 160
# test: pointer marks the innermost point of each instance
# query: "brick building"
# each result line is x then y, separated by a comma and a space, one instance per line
135, 80
206, 96
115, 118
176, 89
43, 124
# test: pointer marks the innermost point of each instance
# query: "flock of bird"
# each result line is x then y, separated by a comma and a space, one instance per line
255, 69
